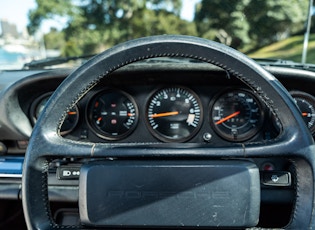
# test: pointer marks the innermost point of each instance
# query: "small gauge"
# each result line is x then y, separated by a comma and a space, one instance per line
174, 114
113, 114
236, 115
70, 121
306, 104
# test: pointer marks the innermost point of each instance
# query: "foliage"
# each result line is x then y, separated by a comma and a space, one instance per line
276, 20
212, 14
49, 10
54, 39
250, 23
94, 25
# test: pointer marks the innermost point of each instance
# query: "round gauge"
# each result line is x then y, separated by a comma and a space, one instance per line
174, 114
70, 121
306, 103
40, 106
113, 114
236, 115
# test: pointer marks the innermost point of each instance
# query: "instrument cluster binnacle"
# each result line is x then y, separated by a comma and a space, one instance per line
173, 113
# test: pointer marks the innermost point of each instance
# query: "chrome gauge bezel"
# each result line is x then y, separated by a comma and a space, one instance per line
228, 124
182, 126
130, 127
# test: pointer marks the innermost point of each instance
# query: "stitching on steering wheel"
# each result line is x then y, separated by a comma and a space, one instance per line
45, 192
251, 83
259, 92
296, 189
247, 81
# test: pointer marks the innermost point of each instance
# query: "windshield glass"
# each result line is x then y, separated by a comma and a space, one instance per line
39, 29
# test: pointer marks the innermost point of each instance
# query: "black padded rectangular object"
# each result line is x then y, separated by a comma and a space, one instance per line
170, 193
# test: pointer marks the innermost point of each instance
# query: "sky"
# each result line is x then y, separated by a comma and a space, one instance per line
16, 11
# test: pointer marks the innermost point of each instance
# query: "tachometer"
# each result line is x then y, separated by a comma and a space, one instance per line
174, 114
236, 115
113, 114
306, 103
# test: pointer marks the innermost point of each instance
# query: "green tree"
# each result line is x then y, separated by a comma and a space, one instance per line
54, 39
249, 23
223, 21
50, 10
275, 20
93, 25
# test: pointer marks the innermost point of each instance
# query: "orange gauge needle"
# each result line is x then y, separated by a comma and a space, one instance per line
164, 114
227, 118
304, 114
72, 113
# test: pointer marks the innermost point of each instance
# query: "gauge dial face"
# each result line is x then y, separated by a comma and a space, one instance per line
70, 121
174, 114
236, 115
306, 103
113, 114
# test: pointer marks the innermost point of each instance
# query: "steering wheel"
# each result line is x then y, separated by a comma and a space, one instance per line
294, 142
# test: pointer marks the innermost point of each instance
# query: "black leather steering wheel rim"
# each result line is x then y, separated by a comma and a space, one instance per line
46, 143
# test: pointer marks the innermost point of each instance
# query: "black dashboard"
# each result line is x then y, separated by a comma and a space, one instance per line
151, 107
142, 103
148, 103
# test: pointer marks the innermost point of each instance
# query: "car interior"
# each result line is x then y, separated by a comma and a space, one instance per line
186, 169
159, 132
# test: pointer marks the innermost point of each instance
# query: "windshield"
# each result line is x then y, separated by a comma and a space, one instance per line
38, 29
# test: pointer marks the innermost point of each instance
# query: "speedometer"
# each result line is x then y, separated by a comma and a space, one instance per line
236, 115
174, 114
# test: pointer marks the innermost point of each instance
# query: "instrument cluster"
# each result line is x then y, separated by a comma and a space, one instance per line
174, 113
